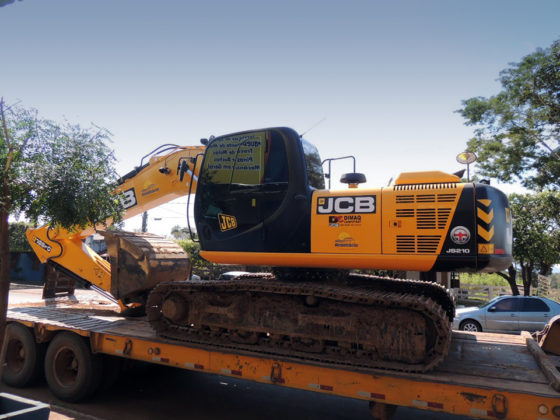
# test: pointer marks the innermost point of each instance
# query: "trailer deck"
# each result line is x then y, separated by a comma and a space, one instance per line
484, 375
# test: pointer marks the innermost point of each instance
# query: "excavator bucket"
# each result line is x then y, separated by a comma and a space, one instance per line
139, 261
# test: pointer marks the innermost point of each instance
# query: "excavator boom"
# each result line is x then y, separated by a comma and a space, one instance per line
137, 261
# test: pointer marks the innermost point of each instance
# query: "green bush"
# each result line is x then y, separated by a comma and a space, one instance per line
483, 279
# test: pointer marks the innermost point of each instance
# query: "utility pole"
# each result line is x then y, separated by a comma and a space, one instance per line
145, 222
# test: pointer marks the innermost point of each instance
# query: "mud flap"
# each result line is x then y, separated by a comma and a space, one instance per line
139, 261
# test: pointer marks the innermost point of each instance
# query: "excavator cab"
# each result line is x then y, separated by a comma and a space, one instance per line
254, 191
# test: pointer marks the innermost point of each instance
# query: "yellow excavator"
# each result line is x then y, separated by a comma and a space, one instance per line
261, 201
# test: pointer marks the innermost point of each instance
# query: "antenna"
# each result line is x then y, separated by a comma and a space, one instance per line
312, 127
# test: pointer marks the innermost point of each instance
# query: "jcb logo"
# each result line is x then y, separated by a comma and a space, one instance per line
227, 222
346, 205
128, 198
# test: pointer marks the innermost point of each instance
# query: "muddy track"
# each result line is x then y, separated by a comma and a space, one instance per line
368, 323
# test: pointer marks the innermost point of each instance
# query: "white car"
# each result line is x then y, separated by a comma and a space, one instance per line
507, 314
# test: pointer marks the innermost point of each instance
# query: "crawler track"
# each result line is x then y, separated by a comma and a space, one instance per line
370, 322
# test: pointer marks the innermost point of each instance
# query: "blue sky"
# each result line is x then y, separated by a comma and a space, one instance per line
386, 76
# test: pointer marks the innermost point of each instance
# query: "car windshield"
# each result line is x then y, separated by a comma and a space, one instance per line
493, 301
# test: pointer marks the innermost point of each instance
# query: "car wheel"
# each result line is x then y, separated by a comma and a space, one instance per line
470, 325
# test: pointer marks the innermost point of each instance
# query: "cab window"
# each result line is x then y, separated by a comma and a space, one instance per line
315, 175
244, 176
238, 159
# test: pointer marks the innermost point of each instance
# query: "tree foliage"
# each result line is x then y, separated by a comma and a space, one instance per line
518, 130
536, 234
17, 239
199, 264
180, 233
60, 173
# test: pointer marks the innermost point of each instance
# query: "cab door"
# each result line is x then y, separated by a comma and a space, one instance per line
252, 195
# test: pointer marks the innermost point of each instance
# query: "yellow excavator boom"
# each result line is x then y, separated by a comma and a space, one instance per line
164, 178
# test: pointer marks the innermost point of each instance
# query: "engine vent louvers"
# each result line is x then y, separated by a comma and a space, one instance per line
446, 198
431, 218
413, 187
422, 244
425, 218
403, 199
405, 243
427, 244
405, 212
442, 217
426, 198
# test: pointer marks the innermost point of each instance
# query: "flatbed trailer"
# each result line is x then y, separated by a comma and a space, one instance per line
484, 376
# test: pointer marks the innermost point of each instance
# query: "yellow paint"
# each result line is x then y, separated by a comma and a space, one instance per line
485, 217
353, 235
486, 249
227, 222
346, 233
425, 391
360, 230
485, 234
151, 189
427, 177
412, 262
485, 202
394, 226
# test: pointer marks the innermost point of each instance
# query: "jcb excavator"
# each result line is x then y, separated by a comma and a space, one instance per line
261, 201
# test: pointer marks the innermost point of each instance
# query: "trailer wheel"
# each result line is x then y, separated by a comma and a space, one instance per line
72, 371
24, 357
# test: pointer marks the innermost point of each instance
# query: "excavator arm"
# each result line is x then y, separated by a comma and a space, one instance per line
137, 261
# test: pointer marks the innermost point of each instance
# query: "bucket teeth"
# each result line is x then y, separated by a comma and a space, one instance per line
139, 261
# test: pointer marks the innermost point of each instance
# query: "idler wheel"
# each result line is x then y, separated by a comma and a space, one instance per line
175, 308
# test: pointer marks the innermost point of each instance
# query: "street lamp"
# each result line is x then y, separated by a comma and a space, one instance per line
466, 158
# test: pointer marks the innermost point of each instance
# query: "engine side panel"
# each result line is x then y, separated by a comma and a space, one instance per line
417, 217
346, 222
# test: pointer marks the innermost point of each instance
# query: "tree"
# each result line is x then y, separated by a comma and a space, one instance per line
61, 173
199, 264
6, 2
17, 239
536, 236
555, 283
518, 130
179, 232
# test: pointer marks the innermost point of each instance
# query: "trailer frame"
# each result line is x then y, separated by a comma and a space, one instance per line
485, 375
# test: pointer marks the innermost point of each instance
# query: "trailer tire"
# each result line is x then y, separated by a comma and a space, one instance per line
24, 357
72, 371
